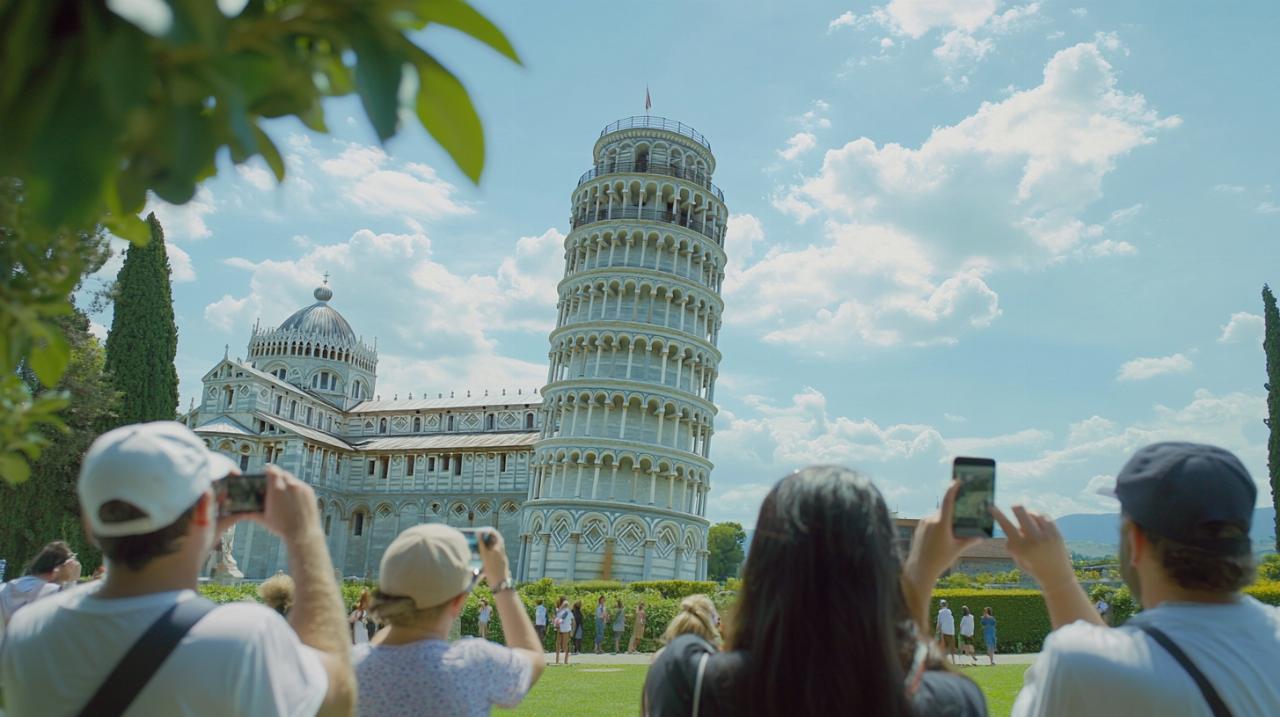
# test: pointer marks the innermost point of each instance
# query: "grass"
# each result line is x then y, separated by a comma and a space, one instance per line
607, 690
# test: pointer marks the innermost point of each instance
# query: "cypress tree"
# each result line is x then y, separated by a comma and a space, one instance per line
1271, 345
144, 338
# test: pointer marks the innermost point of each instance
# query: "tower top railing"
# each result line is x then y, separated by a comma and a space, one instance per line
646, 167
662, 123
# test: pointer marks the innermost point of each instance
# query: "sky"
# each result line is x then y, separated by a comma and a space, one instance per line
1036, 232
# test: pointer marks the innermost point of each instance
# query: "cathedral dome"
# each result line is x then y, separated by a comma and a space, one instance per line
320, 319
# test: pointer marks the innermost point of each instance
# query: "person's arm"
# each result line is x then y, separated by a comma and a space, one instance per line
316, 616
933, 549
1039, 550
516, 626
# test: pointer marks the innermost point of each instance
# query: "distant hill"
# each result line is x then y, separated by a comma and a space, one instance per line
1104, 528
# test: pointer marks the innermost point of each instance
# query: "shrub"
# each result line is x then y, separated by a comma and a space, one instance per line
675, 588
1267, 591
1022, 621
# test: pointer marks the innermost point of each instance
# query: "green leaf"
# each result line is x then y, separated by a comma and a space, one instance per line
128, 227
445, 110
461, 16
378, 71
270, 153
14, 468
49, 358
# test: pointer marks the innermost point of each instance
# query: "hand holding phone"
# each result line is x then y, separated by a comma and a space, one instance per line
241, 493
977, 479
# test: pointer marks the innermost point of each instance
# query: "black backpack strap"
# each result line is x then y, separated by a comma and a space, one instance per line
144, 658
1216, 705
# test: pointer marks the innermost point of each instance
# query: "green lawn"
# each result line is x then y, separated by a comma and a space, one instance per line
608, 690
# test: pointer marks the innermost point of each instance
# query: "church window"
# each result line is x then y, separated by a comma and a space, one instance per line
408, 469
327, 519
417, 424
488, 422
457, 466
450, 423
244, 462
230, 396
371, 466
358, 528
279, 404
308, 420
528, 420
502, 463
386, 466
446, 463
293, 409
382, 426
431, 464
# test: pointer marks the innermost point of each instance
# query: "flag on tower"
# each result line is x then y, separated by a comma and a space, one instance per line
647, 102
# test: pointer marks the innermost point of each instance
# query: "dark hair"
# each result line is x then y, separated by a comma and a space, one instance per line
135, 551
1195, 568
51, 557
964, 609
824, 545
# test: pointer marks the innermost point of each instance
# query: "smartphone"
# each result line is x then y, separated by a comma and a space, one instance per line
474, 536
244, 493
977, 478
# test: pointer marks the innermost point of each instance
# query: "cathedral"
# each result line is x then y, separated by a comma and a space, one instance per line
602, 474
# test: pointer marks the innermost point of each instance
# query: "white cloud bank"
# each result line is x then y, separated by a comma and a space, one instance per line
1242, 327
1141, 369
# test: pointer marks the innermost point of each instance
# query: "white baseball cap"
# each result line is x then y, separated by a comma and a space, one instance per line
162, 468
429, 563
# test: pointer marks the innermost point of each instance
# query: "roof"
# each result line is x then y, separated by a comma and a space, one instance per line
224, 425
531, 399
306, 432
450, 440
987, 549
320, 319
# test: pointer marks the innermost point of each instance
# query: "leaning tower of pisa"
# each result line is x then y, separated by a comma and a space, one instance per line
622, 473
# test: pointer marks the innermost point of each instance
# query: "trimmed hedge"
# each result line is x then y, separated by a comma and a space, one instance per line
1022, 621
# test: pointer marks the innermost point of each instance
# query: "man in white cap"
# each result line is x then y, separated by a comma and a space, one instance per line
141, 642
412, 668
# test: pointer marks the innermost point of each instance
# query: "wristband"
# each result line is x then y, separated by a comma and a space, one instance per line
506, 584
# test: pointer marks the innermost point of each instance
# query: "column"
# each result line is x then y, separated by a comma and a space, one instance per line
675, 574
341, 528
595, 481
653, 485
546, 548
648, 559
573, 555
368, 543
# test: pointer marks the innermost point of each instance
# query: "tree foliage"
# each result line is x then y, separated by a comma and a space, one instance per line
144, 337
1269, 568
104, 103
724, 543
1271, 346
46, 508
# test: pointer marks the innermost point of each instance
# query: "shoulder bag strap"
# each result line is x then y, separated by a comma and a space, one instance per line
697, 683
144, 658
1216, 705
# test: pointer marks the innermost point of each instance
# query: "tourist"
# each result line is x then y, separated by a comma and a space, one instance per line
966, 633
564, 628
824, 545
637, 630
482, 619
989, 633
411, 667
52, 569
540, 622
1103, 608
619, 626
277, 593
1200, 646
697, 616
358, 618
578, 622
602, 616
946, 629
148, 496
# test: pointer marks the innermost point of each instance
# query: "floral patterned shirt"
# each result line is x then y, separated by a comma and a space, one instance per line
435, 678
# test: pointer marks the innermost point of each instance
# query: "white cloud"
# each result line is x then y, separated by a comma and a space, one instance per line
259, 177
1268, 208
98, 330
1141, 369
743, 233
1242, 327
379, 185
909, 461
184, 222
815, 117
1079, 11
960, 48
1228, 188
1055, 35
1123, 216
799, 143
445, 325
179, 264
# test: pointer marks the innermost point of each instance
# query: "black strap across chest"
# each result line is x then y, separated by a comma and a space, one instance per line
1216, 705
144, 658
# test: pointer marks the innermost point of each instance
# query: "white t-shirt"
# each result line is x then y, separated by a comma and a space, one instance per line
436, 678
241, 658
566, 619
966, 625
946, 623
23, 591
484, 614
1085, 669
540, 615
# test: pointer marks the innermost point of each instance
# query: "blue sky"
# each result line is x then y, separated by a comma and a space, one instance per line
1030, 231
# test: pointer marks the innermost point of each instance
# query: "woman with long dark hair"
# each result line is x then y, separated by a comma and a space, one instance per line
824, 545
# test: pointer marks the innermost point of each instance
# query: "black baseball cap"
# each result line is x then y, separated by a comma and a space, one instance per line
1179, 491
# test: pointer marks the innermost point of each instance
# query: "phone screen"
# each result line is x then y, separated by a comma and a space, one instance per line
977, 478
473, 544
245, 493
